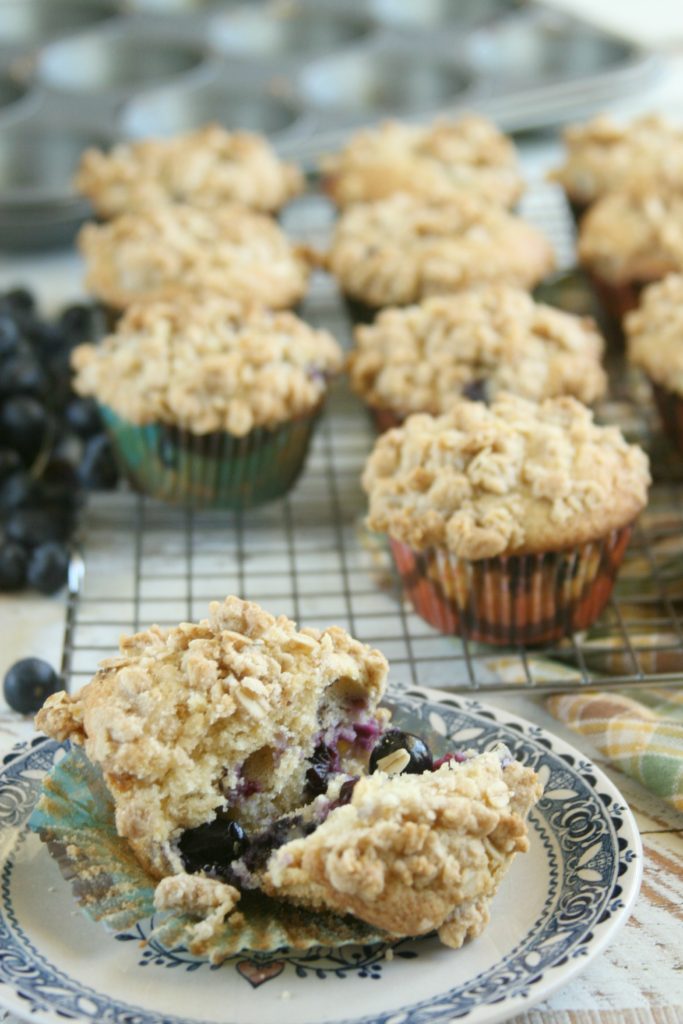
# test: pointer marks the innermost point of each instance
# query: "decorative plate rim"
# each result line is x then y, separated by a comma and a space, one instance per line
628, 857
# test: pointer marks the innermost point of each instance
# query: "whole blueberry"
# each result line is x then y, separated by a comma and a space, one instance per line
77, 323
420, 755
83, 417
9, 335
23, 375
34, 526
47, 337
13, 564
48, 567
20, 300
98, 469
28, 684
24, 425
10, 462
213, 846
16, 490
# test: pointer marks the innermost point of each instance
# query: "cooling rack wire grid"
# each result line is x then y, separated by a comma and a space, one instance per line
310, 557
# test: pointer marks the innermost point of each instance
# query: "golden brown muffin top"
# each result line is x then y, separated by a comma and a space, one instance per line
605, 156
402, 249
654, 333
512, 478
167, 251
207, 167
467, 154
207, 364
495, 338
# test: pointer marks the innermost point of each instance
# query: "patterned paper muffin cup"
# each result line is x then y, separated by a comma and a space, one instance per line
214, 470
670, 406
616, 301
519, 599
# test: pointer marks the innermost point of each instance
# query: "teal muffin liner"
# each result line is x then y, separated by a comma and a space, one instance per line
214, 470
75, 819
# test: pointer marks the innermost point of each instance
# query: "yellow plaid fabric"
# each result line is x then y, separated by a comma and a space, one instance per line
642, 734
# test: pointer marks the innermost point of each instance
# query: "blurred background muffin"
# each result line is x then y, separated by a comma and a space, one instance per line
474, 344
207, 403
446, 158
399, 250
167, 251
207, 167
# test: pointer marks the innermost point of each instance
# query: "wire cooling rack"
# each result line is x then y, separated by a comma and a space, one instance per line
310, 557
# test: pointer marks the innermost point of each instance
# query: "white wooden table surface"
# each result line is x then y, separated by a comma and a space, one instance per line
638, 979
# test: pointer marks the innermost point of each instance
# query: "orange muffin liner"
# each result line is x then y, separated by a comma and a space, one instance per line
519, 599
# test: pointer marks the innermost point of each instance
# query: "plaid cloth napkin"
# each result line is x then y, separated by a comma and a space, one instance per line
641, 734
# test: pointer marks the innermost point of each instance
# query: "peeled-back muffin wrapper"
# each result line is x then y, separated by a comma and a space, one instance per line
75, 818
216, 470
519, 599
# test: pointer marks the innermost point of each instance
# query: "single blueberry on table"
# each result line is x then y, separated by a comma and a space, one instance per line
13, 564
48, 567
19, 300
395, 739
28, 684
78, 323
23, 375
16, 490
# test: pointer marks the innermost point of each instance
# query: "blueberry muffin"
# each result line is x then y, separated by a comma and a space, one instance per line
165, 251
474, 344
654, 338
466, 155
507, 523
629, 239
208, 167
245, 756
604, 156
397, 251
207, 402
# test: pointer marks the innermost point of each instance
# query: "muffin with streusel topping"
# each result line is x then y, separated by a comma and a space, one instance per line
207, 168
207, 403
397, 251
629, 239
168, 251
507, 523
654, 339
604, 156
465, 155
475, 344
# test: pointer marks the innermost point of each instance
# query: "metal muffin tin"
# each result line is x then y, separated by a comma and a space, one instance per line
75, 73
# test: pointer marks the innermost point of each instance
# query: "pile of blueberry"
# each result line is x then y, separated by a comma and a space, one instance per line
52, 444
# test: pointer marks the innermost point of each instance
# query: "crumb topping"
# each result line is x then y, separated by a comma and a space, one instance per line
206, 364
467, 154
399, 250
221, 713
421, 358
604, 156
206, 167
511, 478
166, 251
411, 853
633, 237
654, 333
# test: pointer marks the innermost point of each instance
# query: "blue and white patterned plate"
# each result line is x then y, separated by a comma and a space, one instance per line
557, 908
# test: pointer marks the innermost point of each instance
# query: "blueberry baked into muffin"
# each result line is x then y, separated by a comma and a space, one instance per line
449, 157
475, 344
399, 250
207, 168
208, 402
508, 522
163, 252
245, 756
